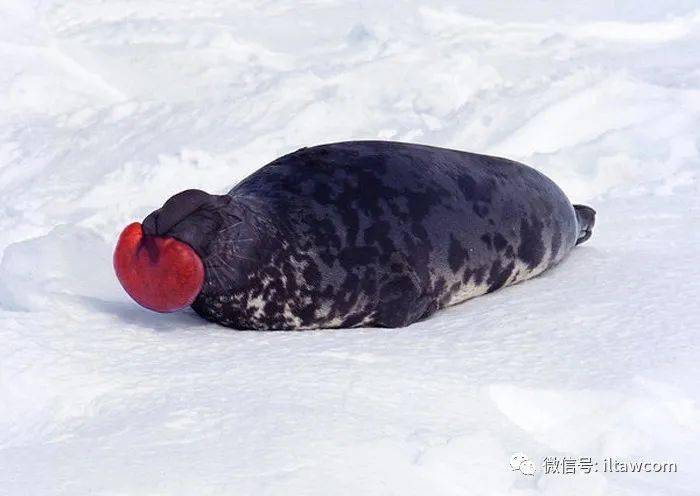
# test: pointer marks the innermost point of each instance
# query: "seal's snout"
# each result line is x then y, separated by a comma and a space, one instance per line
159, 272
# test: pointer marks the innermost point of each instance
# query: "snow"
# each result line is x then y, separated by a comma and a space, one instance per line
108, 108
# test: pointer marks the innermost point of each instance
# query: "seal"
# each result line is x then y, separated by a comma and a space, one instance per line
359, 233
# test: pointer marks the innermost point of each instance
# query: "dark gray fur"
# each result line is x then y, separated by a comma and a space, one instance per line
369, 233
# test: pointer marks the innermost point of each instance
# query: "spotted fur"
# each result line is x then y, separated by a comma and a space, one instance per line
377, 234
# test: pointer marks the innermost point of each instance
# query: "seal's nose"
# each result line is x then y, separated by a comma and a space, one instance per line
159, 272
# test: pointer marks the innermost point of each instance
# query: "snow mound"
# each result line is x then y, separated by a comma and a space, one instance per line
69, 260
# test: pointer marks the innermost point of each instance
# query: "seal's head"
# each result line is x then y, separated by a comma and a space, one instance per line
159, 263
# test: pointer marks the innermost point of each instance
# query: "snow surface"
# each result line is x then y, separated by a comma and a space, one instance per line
109, 107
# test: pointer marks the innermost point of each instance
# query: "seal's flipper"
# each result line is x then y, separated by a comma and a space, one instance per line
400, 303
585, 217
400, 300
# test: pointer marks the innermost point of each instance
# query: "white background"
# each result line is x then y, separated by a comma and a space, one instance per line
109, 107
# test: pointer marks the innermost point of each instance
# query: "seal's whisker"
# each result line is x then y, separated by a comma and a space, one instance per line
235, 224
242, 257
234, 242
213, 268
225, 265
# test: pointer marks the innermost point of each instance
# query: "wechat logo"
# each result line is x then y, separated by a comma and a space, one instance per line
519, 462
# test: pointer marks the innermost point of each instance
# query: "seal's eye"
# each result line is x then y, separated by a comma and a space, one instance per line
159, 272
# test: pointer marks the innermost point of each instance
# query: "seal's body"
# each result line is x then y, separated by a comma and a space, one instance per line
369, 234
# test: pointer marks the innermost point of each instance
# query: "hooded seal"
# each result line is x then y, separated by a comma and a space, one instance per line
362, 233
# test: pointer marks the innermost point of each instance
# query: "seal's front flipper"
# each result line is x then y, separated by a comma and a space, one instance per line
585, 218
400, 301
397, 299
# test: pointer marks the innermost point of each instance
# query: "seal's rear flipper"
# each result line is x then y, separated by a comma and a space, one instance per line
585, 217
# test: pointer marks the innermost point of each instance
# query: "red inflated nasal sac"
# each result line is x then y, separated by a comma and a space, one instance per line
159, 272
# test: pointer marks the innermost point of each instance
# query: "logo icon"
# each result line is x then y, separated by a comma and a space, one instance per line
519, 462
